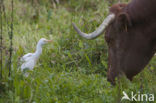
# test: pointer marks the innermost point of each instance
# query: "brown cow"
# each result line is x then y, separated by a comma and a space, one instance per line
130, 35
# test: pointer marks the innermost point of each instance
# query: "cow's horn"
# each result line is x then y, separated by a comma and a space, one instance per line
98, 31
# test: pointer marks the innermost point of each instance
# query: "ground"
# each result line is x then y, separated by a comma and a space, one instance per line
71, 69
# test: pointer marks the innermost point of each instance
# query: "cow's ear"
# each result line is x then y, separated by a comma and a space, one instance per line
123, 21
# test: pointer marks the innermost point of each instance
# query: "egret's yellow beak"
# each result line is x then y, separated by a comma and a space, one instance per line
49, 41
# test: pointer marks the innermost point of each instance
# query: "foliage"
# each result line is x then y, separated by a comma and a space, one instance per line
71, 69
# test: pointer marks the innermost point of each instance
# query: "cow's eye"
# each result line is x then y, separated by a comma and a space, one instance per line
109, 40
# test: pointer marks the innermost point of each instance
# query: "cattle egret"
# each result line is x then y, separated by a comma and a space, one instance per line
29, 60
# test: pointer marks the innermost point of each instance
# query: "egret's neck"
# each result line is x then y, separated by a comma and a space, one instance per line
38, 50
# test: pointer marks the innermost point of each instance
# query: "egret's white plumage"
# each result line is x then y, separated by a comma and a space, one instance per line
29, 60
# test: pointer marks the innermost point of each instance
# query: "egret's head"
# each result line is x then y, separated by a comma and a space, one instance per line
43, 41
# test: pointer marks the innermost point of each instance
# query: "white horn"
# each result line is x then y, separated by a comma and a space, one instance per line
98, 31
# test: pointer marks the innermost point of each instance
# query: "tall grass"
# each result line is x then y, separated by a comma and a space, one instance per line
71, 69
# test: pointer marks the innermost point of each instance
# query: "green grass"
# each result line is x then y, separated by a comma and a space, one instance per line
71, 69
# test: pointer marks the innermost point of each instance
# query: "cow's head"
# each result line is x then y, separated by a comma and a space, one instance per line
129, 45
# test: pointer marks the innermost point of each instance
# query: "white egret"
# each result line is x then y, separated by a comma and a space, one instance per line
29, 60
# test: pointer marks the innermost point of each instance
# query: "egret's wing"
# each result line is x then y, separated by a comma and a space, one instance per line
28, 65
26, 56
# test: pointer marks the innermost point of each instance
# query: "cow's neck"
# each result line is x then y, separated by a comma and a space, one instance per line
143, 14
142, 10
